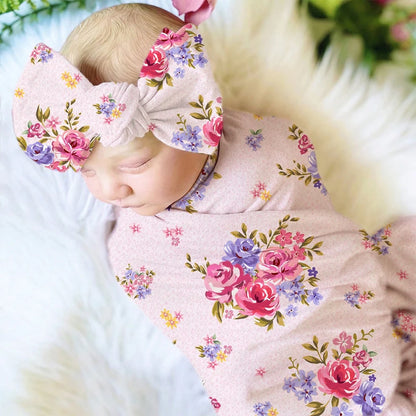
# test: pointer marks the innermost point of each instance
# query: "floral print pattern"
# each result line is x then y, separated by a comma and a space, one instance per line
378, 242
41, 54
213, 351
260, 191
54, 144
109, 108
171, 320
191, 138
342, 378
136, 283
254, 139
404, 325
181, 52
259, 273
174, 234
308, 174
356, 297
264, 409
71, 81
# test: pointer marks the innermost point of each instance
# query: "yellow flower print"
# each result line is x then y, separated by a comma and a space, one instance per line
257, 117
116, 113
71, 83
221, 356
165, 314
272, 412
172, 322
265, 195
65, 76
19, 93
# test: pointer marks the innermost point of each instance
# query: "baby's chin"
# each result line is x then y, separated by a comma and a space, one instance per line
147, 210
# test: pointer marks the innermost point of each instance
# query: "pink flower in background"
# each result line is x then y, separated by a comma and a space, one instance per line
196, 11
339, 378
361, 358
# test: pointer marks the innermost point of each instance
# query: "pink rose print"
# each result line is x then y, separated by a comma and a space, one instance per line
258, 298
215, 403
304, 144
344, 341
340, 379
36, 130
222, 278
212, 131
362, 358
73, 146
156, 64
278, 264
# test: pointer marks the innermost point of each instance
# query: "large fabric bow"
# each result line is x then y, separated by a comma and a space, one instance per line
59, 115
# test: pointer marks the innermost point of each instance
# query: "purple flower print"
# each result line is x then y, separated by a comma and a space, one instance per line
306, 393
178, 138
261, 409
200, 60
182, 55
129, 274
45, 56
291, 310
198, 39
254, 139
370, 398
199, 193
211, 351
352, 298
372, 378
384, 250
313, 168
313, 272
243, 252
107, 108
296, 294
315, 297
290, 384
179, 73
306, 379
40, 153
342, 410
143, 291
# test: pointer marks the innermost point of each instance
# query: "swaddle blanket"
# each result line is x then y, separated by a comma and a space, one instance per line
282, 305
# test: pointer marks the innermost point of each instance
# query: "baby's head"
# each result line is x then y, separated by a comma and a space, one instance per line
113, 43
151, 139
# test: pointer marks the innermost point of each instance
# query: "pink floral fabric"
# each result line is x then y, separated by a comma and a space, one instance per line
282, 305
176, 98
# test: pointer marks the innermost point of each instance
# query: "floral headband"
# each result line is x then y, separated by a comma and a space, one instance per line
59, 115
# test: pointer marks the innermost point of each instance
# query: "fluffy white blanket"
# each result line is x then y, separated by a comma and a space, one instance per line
71, 342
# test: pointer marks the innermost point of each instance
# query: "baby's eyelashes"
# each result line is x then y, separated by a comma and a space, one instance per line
134, 167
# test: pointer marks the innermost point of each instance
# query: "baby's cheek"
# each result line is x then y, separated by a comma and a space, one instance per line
93, 186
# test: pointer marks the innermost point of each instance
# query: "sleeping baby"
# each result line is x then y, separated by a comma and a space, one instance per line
225, 235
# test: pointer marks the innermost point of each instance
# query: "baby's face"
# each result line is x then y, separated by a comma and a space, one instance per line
144, 174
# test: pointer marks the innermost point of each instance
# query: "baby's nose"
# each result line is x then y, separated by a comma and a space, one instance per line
113, 190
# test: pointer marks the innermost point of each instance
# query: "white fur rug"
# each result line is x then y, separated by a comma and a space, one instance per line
72, 344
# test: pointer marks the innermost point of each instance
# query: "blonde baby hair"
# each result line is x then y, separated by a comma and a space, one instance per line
112, 44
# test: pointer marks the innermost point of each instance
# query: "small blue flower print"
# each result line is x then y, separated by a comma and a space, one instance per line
178, 138
254, 139
306, 379
315, 296
370, 398
143, 291
291, 310
372, 378
290, 384
342, 410
182, 55
179, 72
384, 250
129, 274
296, 294
170, 53
200, 60
45, 56
198, 39
306, 393
261, 409
107, 108
352, 298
